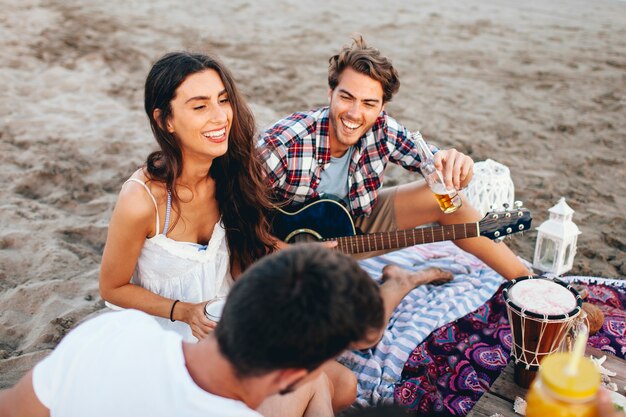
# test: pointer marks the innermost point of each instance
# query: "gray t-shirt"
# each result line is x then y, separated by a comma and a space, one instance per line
334, 178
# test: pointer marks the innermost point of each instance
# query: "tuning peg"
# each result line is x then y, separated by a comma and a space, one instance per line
493, 207
505, 205
499, 240
518, 204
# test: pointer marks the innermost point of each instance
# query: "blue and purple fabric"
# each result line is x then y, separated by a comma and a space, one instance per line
449, 369
447, 373
424, 310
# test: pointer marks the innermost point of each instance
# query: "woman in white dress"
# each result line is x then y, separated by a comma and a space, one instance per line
194, 215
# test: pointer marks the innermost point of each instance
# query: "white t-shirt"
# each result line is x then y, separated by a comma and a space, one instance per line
125, 364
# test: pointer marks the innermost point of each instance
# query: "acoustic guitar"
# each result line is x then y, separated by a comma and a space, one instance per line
328, 220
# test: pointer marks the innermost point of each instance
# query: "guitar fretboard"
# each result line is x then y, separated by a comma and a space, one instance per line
403, 238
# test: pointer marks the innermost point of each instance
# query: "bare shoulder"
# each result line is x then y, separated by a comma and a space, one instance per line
135, 202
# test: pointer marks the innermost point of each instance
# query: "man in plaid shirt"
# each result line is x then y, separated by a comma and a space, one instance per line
343, 149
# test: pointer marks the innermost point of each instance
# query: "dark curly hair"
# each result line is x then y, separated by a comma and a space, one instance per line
297, 308
241, 191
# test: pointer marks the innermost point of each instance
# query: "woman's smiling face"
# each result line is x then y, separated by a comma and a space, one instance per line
201, 115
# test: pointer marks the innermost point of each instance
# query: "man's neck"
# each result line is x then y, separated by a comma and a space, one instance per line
338, 152
337, 149
213, 373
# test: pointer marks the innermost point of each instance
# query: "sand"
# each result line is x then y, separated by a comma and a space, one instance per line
539, 86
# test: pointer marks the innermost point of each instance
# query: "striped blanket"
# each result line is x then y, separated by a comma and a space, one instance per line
425, 309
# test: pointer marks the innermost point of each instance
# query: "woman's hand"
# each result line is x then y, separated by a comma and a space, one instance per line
193, 315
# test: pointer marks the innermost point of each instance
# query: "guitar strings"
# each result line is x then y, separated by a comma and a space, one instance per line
403, 238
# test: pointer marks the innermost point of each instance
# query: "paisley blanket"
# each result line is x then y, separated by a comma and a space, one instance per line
447, 373
423, 310
445, 345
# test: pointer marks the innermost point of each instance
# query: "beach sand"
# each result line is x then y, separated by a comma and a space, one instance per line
538, 86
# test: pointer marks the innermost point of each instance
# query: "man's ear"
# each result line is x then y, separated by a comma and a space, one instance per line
157, 116
330, 93
285, 379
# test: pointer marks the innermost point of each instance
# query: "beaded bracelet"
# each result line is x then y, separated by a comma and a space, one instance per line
172, 311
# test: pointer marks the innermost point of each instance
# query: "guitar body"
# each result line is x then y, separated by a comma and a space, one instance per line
321, 219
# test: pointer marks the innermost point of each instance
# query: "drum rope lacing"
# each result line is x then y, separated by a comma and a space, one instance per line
536, 355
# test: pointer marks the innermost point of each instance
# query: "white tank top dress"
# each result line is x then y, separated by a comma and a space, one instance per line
185, 271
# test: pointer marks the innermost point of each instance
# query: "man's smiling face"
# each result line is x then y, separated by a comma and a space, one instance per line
355, 104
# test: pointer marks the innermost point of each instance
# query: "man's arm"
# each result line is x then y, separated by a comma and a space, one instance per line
21, 400
402, 146
456, 167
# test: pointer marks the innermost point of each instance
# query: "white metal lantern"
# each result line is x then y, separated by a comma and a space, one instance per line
491, 186
556, 241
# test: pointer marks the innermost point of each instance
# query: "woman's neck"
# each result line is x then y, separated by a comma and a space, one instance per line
195, 173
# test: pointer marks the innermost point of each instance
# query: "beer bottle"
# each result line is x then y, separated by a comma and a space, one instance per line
449, 200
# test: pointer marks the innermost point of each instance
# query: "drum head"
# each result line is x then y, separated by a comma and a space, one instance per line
542, 298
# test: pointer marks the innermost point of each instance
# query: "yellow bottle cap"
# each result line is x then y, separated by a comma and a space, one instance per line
556, 376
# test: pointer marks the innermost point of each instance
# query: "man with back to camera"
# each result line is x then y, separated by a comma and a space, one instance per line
285, 316
343, 149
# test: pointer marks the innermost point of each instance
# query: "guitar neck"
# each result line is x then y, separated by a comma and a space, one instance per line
404, 238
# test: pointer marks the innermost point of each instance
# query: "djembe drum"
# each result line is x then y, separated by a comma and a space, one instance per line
541, 314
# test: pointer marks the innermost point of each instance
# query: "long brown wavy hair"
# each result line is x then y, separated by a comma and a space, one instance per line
242, 193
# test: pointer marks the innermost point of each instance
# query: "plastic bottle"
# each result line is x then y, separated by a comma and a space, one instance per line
449, 200
560, 392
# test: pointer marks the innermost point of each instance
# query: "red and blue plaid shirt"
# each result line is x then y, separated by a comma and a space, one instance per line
296, 149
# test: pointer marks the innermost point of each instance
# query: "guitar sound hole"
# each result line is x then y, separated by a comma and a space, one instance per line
303, 238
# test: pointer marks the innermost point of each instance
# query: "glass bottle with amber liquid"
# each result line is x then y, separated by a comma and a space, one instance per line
449, 199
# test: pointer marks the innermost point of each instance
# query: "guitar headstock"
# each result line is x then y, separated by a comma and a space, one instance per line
502, 223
